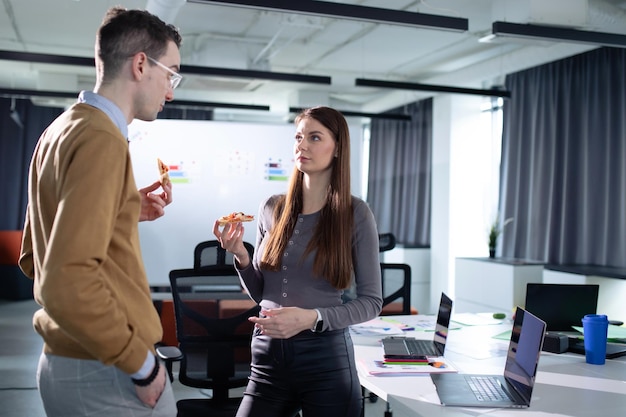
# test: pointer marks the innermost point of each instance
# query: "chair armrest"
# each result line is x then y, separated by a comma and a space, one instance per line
169, 355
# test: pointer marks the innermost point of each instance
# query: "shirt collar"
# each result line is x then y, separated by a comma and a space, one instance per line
107, 106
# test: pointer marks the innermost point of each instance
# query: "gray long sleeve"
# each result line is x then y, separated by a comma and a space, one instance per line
295, 284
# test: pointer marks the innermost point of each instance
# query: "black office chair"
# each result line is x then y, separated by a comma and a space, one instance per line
395, 272
209, 254
213, 340
391, 305
386, 242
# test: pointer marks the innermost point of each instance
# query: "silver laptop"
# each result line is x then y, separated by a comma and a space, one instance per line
511, 390
411, 348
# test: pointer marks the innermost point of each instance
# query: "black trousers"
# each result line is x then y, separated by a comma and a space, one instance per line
311, 372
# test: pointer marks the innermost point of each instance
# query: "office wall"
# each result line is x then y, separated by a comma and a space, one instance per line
216, 168
461, 184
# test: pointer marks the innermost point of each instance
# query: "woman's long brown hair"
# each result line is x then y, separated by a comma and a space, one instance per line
332, 237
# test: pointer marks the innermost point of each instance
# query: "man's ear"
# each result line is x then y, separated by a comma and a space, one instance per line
138, 65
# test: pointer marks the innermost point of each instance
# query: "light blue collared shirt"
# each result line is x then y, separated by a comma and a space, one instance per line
107, 106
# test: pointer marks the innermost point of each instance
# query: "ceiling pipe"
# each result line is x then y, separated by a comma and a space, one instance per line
605, 15
167, 10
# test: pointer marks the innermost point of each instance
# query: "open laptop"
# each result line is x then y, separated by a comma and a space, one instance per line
411, 348
514, 388
561, 306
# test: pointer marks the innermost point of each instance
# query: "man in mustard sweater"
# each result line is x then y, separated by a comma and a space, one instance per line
81, 241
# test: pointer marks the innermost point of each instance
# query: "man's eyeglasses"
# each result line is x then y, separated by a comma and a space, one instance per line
175, 77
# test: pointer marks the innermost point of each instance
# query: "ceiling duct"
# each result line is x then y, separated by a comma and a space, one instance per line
167, 10
606, 16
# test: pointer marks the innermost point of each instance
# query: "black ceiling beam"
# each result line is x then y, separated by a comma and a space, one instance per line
192, 103
352, 12
13, 92
47, 58
185, 69
10, 92
552, 33
364, 82
348, 113
262, 75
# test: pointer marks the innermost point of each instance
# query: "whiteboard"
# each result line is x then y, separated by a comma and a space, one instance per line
216, 168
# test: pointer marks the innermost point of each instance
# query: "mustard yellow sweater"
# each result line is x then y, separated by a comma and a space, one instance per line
81, 244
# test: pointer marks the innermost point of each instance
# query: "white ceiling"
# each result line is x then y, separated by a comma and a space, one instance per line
245, 38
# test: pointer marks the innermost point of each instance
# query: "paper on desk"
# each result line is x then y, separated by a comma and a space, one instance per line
376, 327
475, 319
504, 335
614, 332
378, 368
421, 323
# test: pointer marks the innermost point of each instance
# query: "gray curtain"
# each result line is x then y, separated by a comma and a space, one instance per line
563, 170
399, 182
21, 124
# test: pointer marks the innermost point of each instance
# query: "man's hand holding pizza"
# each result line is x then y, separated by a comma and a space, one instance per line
152, 204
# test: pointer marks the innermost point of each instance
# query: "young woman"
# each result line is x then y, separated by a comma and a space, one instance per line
313, 243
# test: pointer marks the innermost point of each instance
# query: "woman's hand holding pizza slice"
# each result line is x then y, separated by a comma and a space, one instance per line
231, 237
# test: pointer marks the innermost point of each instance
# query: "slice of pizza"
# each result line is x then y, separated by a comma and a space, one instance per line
163, 171
235, 218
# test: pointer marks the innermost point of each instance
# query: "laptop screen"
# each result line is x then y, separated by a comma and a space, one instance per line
443, 321
561, 306
524, 350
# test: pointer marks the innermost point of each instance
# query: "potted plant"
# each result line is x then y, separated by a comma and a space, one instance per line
494, 232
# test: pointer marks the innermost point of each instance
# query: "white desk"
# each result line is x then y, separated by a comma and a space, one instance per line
566, 385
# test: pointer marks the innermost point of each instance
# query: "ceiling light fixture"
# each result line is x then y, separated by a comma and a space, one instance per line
364, 82
6, 92
46, 58
185, 69
254, 74
554, 34
352, 12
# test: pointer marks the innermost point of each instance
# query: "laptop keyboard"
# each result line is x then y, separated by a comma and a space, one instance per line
421, 347
487, 388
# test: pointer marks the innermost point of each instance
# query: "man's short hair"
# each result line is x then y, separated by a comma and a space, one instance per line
123, 33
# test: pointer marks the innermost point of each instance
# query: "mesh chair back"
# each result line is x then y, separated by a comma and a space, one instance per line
209, 254
211, 345
396, 276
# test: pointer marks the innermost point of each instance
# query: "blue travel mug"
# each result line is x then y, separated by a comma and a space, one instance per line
595, 329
